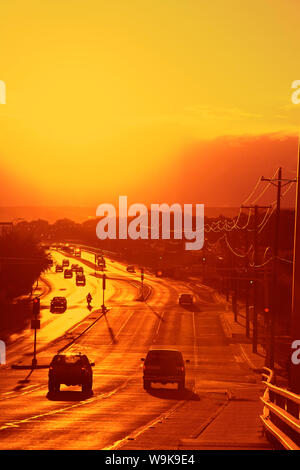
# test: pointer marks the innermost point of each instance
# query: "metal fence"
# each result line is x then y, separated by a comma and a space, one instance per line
281, 413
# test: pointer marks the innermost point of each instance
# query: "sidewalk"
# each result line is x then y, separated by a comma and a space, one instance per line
236, 333
236, 425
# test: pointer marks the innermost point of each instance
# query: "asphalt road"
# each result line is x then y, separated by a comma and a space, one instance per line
119, 410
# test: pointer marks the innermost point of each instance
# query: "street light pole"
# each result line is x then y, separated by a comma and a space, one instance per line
294, 369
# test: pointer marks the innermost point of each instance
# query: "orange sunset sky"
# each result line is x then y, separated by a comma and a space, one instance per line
159, 100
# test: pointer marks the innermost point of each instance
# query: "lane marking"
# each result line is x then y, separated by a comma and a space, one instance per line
247, 359
142, 429
124, 324
158, 327
38, 387
102, 396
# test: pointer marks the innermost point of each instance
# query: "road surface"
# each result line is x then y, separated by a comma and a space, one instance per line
120, 413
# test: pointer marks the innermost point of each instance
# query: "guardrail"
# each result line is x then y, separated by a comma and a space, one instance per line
281, 413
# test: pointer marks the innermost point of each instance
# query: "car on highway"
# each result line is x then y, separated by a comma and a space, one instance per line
74, 267
186, 300
58, 304
68, 273
80, 280
130, 269
77, 252
79, 269
59, 268
65, 262
164, 366
70, 369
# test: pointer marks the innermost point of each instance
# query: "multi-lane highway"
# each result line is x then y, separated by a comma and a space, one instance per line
119, 412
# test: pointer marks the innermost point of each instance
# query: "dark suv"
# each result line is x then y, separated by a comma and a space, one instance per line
130, 269
70, 369
59, 268
68, 274
58, 304
164, 366
80, 280
186, 300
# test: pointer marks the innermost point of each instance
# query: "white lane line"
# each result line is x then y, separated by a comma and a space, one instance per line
124, 324
158, 326
118, 444
32, 390
102, 396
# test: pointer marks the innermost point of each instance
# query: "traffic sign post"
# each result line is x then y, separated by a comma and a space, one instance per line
103, 289
142, 282
35, 325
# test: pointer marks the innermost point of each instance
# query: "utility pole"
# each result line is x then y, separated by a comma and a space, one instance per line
35, 325
274, 303
294, 369
247, 287
255, 290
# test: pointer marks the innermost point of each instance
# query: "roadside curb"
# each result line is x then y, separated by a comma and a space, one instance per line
226, 326
29, 367
143, 296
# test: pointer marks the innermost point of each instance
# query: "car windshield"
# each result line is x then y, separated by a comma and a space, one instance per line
186, 296
156, 357
67, 360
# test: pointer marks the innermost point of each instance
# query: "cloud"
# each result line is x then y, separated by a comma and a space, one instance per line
210, 112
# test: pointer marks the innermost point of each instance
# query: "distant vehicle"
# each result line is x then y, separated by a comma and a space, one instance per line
68, 249
68, 274
58, 304
70, 369
77, 252
79, 269
51, 262
80, 280
59, 268
101, 261
186, 299
164, 366
130, 269
74, 267
66, 262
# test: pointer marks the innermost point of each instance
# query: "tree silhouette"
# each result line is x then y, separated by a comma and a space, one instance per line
22, 260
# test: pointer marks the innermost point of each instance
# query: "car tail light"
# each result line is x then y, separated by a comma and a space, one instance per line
50, 368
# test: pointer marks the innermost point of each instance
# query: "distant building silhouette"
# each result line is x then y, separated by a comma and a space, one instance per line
5, 228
